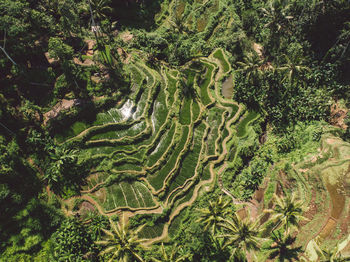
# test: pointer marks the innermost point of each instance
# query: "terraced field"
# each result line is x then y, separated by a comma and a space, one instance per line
157, 149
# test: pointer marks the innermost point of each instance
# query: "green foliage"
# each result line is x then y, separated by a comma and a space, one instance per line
59, 50
121, 243
72, 242
282, 247
63, 173
291, 61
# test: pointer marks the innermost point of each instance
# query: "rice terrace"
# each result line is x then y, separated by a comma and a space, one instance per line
164, 145
174, 130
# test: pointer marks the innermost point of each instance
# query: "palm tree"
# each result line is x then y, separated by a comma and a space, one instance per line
252, 66
293, 69
120, 243
240, 235
288, 211
276, 13
61, 162
212, 215
100, 9
174, 256
282, 249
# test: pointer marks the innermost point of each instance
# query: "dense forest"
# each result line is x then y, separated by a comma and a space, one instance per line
174, 130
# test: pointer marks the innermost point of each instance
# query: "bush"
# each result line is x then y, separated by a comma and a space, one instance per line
72, 241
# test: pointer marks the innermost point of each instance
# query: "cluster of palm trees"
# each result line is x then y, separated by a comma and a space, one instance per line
254, 67
242, 237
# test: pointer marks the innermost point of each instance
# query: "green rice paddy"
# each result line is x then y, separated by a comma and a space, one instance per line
160, 146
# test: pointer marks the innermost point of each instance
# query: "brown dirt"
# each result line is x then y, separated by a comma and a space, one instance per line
284, 179
127, 36
338, 116
242, 213
328, 228
96, 79
266, 216
338, 200
51, 61
87, 62
62, 105
90, 44
259, 50
345, 223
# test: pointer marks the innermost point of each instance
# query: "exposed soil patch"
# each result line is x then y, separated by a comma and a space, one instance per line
344, 224
50, 60
259, 50
127, 36
338, 200
90, 47
87, 62
328, 228
64, 104
242, 213
338, 116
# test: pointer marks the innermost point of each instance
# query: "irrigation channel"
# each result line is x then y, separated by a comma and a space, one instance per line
160, 148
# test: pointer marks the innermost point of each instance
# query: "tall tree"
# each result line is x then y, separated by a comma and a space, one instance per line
282, 248
276, 13
120, 243
215, 213
100, 9
62, 168
173, 256
251, 66
293, 68
240, 235
288, 211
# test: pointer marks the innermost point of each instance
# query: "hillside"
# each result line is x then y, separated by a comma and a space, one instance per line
175, 130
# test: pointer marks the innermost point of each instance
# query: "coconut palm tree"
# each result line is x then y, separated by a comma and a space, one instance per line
174, 256
212, 215
240, 235
276, 13
120, 243
282, 248
252, 66
288, 211
62, 161
100, 9
293, 68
